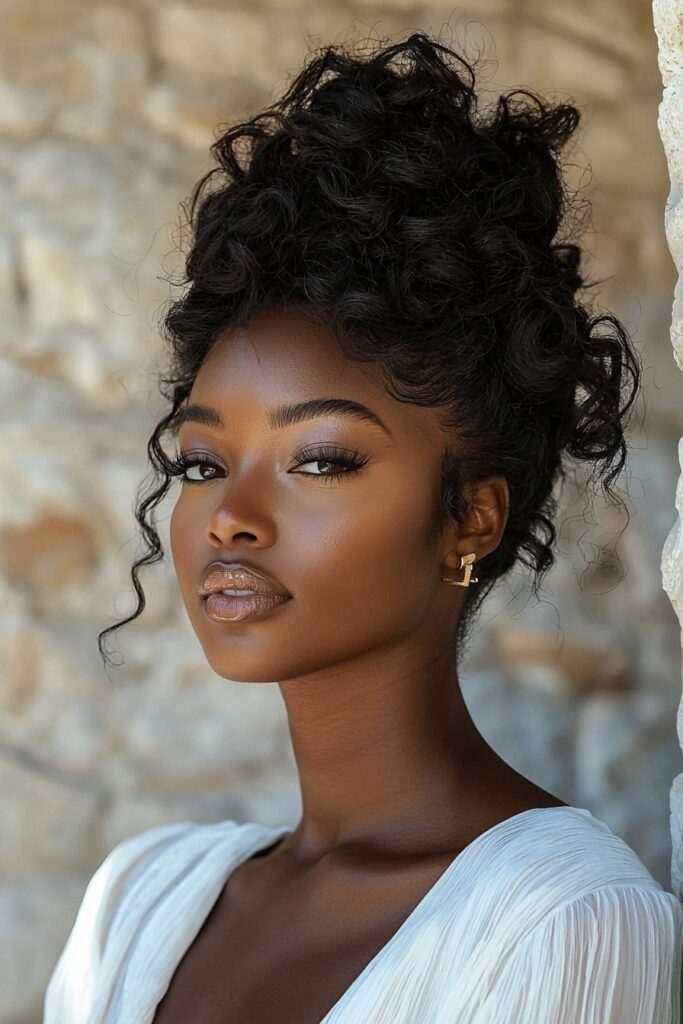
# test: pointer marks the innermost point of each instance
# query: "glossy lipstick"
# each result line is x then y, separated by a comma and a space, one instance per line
231, 608
265, 594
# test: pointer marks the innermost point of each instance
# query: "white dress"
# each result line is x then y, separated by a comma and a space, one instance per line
545, 918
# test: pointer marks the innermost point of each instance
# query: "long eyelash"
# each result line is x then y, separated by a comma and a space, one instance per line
181, 462
353, 461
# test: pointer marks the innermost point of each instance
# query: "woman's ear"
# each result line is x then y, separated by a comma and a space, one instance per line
485, 521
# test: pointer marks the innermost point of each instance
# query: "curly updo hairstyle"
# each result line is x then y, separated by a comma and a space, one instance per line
423, 233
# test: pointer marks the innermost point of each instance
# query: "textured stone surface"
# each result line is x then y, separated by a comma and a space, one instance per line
560, 67
214, 42
532, 727
621, 747
668, 21
36, 916
69, 817
106, 114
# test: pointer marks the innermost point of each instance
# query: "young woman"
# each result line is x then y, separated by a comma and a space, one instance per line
377, 373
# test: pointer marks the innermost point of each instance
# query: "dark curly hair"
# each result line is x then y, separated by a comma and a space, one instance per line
423, 234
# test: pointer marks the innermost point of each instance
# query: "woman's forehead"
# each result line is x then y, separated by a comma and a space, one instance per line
282, 355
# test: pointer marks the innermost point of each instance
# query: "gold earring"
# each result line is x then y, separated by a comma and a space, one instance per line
466, 562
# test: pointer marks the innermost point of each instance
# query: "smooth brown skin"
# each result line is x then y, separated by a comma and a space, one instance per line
395, 777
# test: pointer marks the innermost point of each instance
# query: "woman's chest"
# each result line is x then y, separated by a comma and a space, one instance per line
287, 955
288, 977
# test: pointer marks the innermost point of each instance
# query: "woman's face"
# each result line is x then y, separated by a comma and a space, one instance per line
354, 550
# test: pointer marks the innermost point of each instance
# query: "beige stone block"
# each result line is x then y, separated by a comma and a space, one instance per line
56, 280
70, 358
67, 512
576, 664
653, 260
552, 63
606, 256
53, 694
7, 171
253, 50
136, 812
54, 173
118, 478
36, 915
170, 110
663, 394
115, 83
35, 473
53, 551
23, 394
21, 658
181, 728
68, 817
35, 37
116, 28
23, 115
8, 277
215, 41
190, 113
472, 9
26, 18
52, 559
624, 152
79, 312
627, 243
80, 191
84, 362
91, 363
610, 26
77, 59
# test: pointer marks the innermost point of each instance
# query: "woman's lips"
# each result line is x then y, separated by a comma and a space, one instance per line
228, 608
237, 576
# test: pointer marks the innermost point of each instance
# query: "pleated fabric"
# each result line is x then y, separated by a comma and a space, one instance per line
545, 918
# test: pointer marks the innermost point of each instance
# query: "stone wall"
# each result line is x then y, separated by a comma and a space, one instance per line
106, 114
668, 20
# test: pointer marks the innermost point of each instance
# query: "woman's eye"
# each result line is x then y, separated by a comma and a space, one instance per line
350, 462
183, 464
205, 470
200, 467
323, 462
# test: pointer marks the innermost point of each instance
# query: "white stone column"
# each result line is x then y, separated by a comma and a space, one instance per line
668, 23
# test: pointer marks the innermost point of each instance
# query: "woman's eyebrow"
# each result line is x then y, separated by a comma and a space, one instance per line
289, 414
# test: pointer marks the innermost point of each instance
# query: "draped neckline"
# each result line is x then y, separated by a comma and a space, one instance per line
268, 835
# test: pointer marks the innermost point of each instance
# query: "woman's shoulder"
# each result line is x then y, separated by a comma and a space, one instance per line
604, 879
136, 876
545, 863
607, 934
568, 849
561, 914
158, 853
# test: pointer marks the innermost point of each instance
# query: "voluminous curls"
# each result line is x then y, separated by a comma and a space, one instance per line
428, 236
